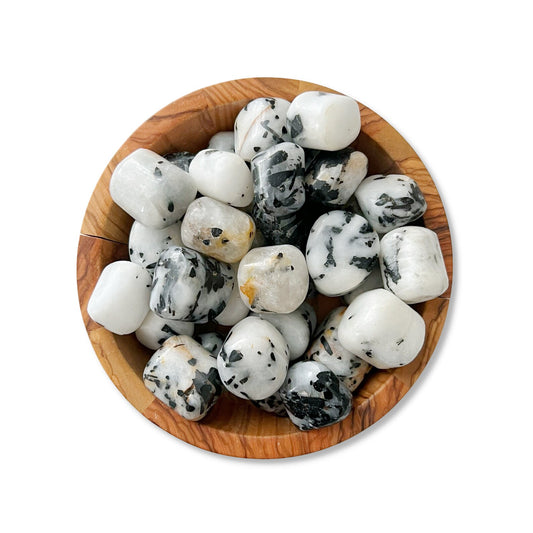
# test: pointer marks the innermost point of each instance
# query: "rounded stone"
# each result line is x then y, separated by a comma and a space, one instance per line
119, 301
183, 375
223, 176
190, 286
217, 230
314, 397
273, 279
382, 330
254, 359
342, 250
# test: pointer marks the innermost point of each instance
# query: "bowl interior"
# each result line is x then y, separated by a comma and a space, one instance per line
234, 426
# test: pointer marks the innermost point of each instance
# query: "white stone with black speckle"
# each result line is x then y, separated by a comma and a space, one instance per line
314, 397
223, 140
273, 279
235, 309
146, 244
391, 201
119, 301
294, 328
278, 177
190, 286
217, 230
223, 176
382, 330
309, 315
373, 281
150, 189
327, 349
323, 121
334, 176
259, 125
254, 359
273, 405
211, 341
342, 250
184, 376
412, 265
154, 330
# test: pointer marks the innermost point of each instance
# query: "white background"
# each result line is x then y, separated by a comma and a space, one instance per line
454, 78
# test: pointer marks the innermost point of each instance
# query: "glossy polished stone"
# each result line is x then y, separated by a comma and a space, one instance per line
273, 279
323, 121
119, 301
278, 179
150, 189
382, 330
314, 396
327, 349
373, 281
235, 309
334, 176
183, 376
146, 244
223, 176
260, 125
223, 140
391, 201
189, 286
294, 327
342, 250
154, 330
217, 230
254, 359
412, 265
273, 405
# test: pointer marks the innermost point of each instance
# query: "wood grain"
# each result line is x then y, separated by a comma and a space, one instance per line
235, 427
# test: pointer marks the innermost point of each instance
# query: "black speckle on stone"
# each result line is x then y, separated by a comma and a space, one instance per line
157, 172
170, 206
192, 361
257, 149
216, 232
207, 242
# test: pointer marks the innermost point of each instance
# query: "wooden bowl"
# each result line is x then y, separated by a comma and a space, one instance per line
234, 426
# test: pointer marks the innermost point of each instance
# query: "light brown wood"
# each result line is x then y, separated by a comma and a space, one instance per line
235, 427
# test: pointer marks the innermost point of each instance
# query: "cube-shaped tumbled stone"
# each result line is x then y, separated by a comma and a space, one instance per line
150, 189
119, 301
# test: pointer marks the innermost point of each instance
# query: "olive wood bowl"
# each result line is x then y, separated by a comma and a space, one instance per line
234, 426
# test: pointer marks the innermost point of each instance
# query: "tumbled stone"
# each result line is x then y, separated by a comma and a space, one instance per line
223, 140
373, 281
314, 396
223, 176
294, 327
382, 330
412, 265
146, 244
180, 159
278, 179
154, 330
273, 279
211, 341
281, 229
150, 189
334, 176
183, 376
190, 286
327, 349
254, 359
273, 405
217, 230
342, 250
235, 309
260, 125
309, 315
323, 121
119, 301
389, 202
